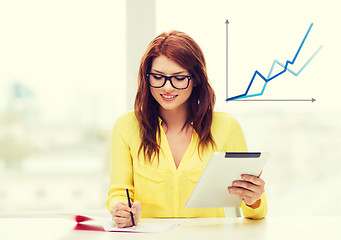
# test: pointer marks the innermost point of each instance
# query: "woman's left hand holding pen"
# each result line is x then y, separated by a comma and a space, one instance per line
121, 213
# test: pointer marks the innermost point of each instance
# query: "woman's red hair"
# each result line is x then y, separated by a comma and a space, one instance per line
182, 49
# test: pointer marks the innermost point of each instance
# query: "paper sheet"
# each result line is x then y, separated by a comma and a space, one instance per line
109, 226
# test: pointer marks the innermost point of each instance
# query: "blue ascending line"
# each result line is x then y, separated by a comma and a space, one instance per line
269, 78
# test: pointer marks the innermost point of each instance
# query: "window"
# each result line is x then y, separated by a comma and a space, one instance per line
61, 89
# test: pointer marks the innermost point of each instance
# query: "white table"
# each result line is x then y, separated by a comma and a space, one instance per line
199, 228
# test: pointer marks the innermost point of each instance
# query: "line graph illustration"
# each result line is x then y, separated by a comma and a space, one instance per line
270, 77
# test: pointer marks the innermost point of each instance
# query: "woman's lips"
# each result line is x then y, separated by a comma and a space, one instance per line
168, 97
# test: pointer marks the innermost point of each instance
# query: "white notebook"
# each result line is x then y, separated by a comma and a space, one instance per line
109, 226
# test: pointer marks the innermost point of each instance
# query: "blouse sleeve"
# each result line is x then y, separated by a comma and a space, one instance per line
121, 167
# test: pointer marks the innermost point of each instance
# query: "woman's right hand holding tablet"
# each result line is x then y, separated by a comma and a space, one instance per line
121, 213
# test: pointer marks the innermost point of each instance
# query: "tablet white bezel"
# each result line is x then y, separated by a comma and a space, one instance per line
211, 189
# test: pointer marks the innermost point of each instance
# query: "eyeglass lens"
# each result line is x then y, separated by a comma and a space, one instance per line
177, 81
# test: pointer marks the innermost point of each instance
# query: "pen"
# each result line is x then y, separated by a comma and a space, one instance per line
129, 203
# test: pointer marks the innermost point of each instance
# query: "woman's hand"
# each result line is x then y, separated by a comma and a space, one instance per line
250, 189
121, 213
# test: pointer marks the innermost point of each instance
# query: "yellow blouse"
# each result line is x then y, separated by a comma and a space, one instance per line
162, 188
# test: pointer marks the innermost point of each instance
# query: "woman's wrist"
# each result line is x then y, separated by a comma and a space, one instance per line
255, 204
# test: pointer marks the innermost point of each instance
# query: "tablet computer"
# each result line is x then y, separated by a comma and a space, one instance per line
222, 169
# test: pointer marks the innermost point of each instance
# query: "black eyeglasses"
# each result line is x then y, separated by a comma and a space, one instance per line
179, 82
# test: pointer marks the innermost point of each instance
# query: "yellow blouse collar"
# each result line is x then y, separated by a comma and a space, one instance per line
160, 121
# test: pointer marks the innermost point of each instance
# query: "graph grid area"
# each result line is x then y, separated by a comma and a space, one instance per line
270, 77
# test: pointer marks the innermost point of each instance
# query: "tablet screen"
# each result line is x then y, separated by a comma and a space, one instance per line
224, 168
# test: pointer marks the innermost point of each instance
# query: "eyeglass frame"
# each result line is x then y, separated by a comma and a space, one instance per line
169, 78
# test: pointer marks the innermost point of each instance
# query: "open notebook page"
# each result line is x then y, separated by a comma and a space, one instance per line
109, 226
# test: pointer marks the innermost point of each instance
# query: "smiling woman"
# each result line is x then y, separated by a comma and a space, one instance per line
160, 149
174, 53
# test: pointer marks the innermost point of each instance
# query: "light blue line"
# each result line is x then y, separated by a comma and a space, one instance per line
296, 74
282, 65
